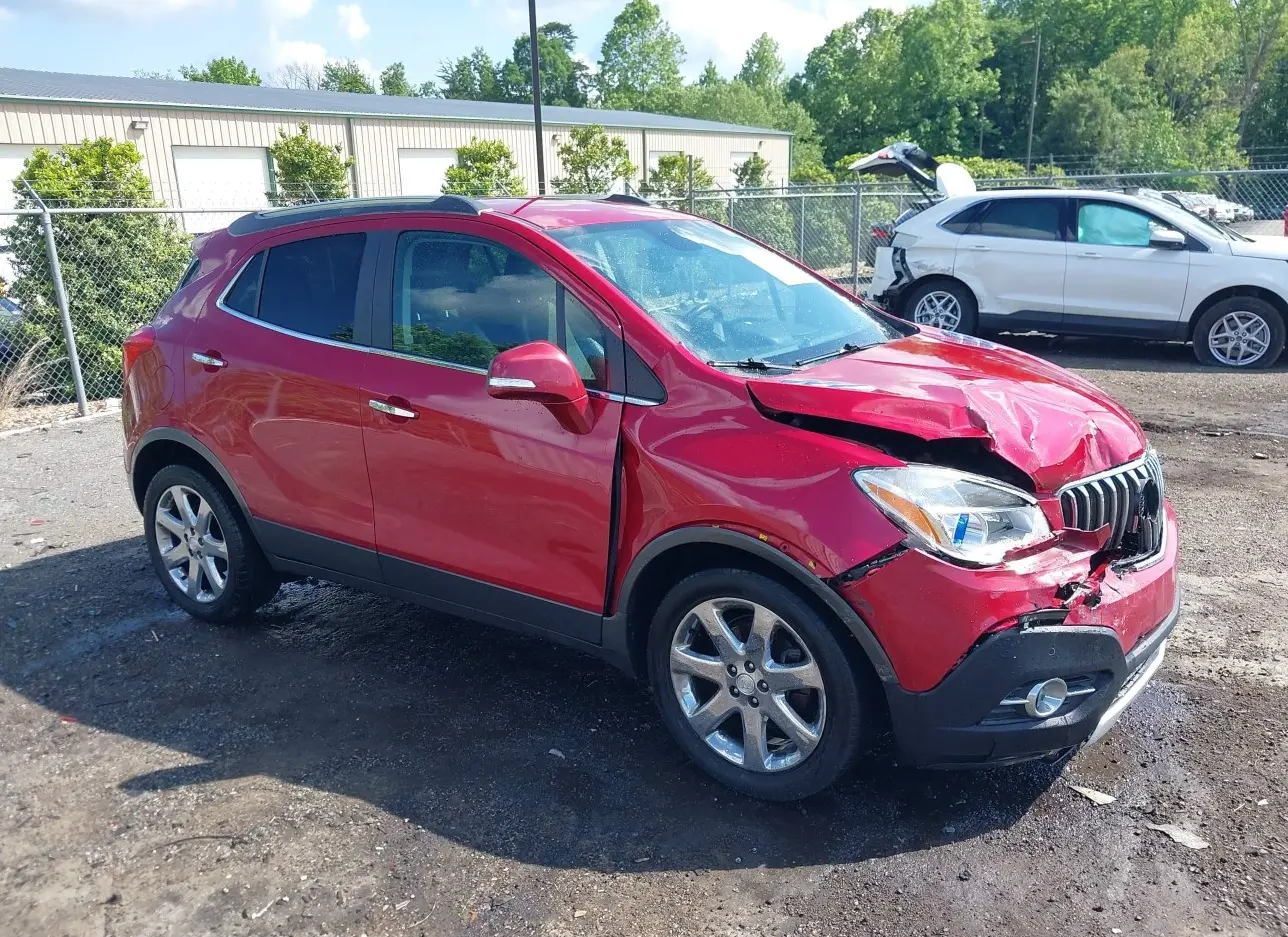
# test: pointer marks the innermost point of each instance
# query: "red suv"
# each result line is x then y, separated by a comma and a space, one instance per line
646, 436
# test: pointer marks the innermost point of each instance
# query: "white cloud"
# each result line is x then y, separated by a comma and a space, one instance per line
352, 20
287, 9
722, 30
296, 51
5, 14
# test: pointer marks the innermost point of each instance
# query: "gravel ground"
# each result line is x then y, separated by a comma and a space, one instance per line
349, 765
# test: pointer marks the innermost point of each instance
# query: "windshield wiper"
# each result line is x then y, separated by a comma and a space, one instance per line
847, 349
752, 364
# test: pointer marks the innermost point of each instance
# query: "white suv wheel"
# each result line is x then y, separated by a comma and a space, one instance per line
939, 309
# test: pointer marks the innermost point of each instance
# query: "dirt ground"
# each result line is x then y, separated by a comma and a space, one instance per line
349, 765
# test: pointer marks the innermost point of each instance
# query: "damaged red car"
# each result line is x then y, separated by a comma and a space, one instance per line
804, 522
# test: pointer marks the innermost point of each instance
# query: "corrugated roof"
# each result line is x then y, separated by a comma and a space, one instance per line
63, 87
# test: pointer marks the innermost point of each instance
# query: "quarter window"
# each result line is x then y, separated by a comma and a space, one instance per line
463, 301
1113, 225
311, 286
1032, 219
244, 295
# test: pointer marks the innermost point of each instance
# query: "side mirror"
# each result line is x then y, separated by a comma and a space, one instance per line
1167, 239
541, 372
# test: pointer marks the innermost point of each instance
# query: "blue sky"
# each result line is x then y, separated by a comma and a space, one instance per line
120, 36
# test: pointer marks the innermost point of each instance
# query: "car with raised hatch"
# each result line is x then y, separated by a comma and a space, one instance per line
805, 523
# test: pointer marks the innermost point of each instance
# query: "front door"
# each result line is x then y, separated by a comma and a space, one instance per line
481, 503
1116, 282
1013, 259
273, 375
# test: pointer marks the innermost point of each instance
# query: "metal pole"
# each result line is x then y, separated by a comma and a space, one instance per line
1033, 104
60, 295
691, 206
800, 247
536, 95
854, 240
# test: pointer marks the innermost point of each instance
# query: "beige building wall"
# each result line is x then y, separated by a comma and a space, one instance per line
374, 141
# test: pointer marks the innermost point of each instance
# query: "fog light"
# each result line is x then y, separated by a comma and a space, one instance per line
1045, 699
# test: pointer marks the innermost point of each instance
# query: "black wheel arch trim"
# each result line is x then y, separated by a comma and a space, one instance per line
617, 643
184, 438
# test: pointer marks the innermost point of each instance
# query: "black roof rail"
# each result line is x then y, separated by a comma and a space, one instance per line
350, 207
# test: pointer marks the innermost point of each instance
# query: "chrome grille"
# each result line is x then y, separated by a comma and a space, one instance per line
1122, 499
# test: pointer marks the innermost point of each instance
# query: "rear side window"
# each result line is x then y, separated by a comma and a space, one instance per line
961, 222
244, 295
1031, 219
311, 286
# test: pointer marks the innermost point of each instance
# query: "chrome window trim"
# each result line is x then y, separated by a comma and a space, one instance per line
422, 359
291, 332
622, 398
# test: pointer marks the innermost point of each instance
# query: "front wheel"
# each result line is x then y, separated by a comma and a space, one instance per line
1240, 332
755, 687
943, 304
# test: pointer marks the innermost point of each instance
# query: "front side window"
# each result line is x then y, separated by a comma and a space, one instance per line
463, 301
721, 295
1030, 219
1113, 225
311, 286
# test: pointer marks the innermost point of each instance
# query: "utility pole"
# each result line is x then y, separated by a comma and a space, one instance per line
536, 96
1033, 101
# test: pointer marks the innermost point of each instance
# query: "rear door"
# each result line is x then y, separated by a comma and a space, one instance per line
483, 503
1116, 282
1012, 256
273, 373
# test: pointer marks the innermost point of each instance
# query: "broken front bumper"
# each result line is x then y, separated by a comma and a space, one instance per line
966, 646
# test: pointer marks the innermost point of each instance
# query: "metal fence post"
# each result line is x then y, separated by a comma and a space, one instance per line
60, 295
854, 239
731, 224
800, 250
691, 200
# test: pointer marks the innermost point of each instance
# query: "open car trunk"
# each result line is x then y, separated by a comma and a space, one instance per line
938, 180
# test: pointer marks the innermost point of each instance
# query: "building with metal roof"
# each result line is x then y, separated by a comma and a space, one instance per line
206, 145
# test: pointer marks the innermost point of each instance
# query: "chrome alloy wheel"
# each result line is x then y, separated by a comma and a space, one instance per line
939, 309
1239, 339
191, 544
748, 685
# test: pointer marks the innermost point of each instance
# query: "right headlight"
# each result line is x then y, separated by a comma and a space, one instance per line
968, 518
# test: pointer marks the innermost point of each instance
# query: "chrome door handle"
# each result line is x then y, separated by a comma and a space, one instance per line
391, 410
208, 361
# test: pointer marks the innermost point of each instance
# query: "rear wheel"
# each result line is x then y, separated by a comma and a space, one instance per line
943, 304
754, 686
1239, 332
201, 548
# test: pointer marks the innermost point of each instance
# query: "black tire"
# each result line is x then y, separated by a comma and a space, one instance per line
851, 713
249, 580
969, 323
1210, 320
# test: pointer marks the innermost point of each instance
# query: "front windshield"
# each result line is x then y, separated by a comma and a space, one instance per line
723, 296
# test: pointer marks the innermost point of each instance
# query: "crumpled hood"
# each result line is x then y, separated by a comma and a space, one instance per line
1048, 422
1269, 248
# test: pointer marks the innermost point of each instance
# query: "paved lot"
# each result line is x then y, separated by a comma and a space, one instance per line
349, 765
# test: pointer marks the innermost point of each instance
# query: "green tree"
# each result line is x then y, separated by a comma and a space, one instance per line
484, 168
639, 60
118, 269
592, 162
393, 82
762, 68
346, 76
471, 77
766, 218
226, 70
669, 179
753, 173
308, 169
564, 80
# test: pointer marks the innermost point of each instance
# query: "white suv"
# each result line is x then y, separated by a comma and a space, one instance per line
1084, 262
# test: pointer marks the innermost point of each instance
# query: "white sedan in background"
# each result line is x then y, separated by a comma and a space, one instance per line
1081, 262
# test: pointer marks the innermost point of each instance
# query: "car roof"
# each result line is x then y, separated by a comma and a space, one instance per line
544, 212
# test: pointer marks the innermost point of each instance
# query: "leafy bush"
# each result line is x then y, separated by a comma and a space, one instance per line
484, 168
669, 180
592, 162
308, 169
118, 269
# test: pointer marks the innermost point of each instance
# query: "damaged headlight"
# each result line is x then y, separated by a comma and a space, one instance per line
966, 517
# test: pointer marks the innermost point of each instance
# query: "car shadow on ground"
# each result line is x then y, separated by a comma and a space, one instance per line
501, 743
1118, 354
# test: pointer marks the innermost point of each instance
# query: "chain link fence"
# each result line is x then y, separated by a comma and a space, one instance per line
119, 254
